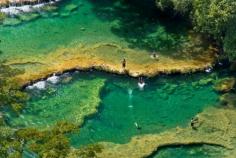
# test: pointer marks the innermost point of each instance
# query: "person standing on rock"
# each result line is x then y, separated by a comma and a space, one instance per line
124, 63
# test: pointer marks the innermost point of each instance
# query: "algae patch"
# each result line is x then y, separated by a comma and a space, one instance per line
71, 104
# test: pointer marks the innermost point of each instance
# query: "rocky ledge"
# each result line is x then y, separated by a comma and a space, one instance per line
108, 57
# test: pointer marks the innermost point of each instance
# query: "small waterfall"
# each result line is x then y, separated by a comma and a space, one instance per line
15, 7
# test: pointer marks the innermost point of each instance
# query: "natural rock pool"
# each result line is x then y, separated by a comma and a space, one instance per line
84, 34
165, 103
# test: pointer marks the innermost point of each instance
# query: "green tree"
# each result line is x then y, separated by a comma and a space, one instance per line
215, 18
230, 40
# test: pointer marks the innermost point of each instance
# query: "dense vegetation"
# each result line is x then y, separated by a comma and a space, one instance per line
216, 18
10, 93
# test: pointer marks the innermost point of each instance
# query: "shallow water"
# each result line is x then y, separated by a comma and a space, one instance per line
164, 103
71, 100
87, 22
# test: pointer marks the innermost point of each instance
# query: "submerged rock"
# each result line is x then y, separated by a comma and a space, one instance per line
228, 99
206, 81
2, 16
71, 7
225, 85
28, 17
11, 21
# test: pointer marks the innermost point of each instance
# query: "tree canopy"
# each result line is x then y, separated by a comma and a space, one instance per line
216, 18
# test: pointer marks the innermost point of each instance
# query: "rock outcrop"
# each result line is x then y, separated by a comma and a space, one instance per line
108, 57
216, 127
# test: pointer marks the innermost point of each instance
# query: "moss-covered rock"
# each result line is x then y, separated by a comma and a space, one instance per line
205, 81
228, 99
225, 85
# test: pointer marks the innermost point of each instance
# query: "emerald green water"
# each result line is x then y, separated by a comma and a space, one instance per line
164, 103
88, 22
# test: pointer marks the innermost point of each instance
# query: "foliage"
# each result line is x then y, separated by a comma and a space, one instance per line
10, 145
10, 93
230, 40
213, 17
51, 143
178, 6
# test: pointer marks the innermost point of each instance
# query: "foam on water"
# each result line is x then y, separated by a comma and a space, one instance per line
41, 85
53, 79
141, 85
14, 10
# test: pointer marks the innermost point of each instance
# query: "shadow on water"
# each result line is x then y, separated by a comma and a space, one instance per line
141, 24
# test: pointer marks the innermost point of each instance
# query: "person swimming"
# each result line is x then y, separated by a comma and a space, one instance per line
208, 70
141, 83
137, 126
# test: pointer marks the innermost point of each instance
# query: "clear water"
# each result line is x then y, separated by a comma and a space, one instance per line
89, 22
71, 100
164, 103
